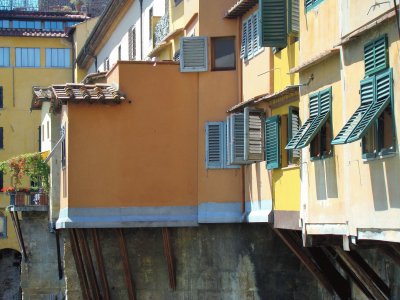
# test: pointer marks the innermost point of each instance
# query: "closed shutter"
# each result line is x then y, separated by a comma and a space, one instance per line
367, 97
383, 94
214, 145
194, 54
131, 41
324, 98
254, 135
294, 17
273, 23
237, 142
272, 142
227, 146
306, 126
243, 46
375, 56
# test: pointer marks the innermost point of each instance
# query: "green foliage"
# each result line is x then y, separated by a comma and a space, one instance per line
32, 165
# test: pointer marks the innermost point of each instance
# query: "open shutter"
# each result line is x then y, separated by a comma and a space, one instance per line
256, 32
254, 135
306, 126
214, 145
294, 17
383, 94
194, 54
323, 114
243, 47
272, 143
293, 129
375, 55
367, 97
249, 38
273, 23
237, 138
227, 146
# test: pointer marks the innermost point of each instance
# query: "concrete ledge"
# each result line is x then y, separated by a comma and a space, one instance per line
387, 234
30, 208
259, 211
119, 217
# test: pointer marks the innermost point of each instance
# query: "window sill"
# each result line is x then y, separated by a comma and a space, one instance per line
291, 167
316, 158
379, 156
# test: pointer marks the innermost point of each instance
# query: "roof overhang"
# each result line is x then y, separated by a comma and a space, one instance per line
248, 102
240, 8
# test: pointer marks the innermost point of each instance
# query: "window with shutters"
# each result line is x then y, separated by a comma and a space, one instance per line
132, 43
317, 130
310, 4
373, 120
223, 53
217, 138
193, 54
250, 44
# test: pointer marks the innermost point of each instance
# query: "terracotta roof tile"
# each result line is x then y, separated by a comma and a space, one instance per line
240, 8
31, 32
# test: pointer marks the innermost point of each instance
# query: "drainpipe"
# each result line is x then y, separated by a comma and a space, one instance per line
141, 29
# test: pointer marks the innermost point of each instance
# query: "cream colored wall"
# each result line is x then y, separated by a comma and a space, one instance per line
373, 196
320, 180
356, 13
319, 29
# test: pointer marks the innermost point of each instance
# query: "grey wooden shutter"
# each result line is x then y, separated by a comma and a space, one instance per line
294, 17
214, 145
227, 146
249, 37
272, 143
193, 54
237, 138
273, 23
254, 135
243, 46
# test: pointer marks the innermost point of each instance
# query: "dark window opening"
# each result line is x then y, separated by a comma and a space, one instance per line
223, 53
320, 146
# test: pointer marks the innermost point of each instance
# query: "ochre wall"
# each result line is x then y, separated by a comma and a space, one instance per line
285, 60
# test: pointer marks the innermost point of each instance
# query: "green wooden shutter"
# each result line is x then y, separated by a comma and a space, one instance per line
273, 23
243, 47
193, 54
256, 32
293, 128
375, 55
214, 145
324, 100
383, 90
272, 143
367, 98
306, 126
237, 138
254, 134
294, 17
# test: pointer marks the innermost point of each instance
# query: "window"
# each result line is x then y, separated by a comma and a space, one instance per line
278, 130
54, 25
217, 146
246, 132
106, 64
3, 226
373, 120
119, 52
1, 138
193, 55
223, 53
150, 23
310, 4
317, 130
27, 57
1, 97
132, 43
4, 57
58, 58
250, 45
4, 24
1, 180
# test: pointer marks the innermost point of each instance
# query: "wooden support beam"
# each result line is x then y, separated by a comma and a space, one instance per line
79, 264
90, 272
306, 260
18, 232
169, 258
60, 270
392, 253
339, 283
100, 265
125, 260
364, 277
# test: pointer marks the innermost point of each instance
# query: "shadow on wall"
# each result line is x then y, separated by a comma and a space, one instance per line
384, 175
326, 179
10, 274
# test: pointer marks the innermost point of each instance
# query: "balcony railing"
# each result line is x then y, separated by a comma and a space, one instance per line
21, 201
161, 29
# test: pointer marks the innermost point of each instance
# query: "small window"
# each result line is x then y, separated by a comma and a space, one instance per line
27, 57
223, 53
1, 180
119, 52
3, 226
250, 44
106, 64
4, 57
1, 97
58, 58
132, 43
4, 24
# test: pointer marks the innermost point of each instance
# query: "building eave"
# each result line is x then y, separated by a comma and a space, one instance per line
240, 8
